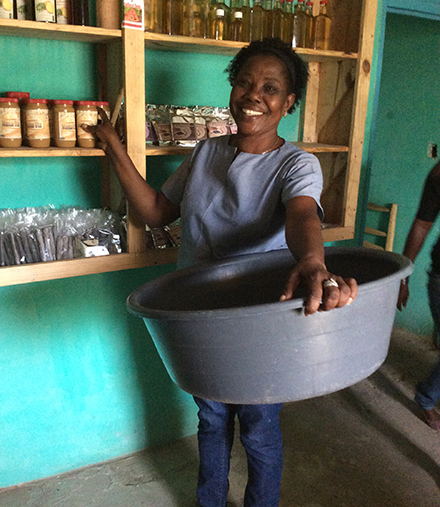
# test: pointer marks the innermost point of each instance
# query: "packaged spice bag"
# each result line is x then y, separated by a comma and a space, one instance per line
216, 121
200, 123
150, 134
162, 125
183, 127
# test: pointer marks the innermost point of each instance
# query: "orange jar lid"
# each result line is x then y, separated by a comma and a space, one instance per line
18, 95
58, 102
85, 103
35, 101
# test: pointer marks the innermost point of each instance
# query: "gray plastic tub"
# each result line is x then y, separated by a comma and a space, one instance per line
223, 335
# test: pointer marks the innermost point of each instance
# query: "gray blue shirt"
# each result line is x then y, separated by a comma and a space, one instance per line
234, 206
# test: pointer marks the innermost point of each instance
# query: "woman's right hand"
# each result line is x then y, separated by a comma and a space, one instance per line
104, 132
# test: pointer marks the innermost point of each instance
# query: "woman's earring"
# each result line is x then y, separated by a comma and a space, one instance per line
285, 114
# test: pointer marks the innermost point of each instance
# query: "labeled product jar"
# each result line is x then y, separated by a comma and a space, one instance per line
10, 124
7, 8
21, 96
64, 12
106, 106
64, 124
45, 11
36, 115
86, 113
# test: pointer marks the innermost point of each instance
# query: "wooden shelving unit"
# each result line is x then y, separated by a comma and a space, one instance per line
332, 122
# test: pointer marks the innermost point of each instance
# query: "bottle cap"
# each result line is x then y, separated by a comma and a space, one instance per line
238, 14
220, 12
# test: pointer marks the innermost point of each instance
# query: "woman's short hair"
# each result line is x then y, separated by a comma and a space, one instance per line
296, 67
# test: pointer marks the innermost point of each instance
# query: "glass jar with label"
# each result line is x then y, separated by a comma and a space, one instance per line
10, 124
64, 14
86, 114
106, 106
37, 130
21, 96
64, 124
7, 8
45, 11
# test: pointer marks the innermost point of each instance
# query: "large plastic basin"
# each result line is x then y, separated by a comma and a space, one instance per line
223, 335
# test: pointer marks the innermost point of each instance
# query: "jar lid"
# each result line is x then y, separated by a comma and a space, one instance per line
9, 99
220, 12
102, 103
19, 95
85, 103
68, 102
238, 14
36, 101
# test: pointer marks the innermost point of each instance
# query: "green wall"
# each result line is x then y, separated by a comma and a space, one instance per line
407, 121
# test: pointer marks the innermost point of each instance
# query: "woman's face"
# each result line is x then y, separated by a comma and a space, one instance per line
260, 95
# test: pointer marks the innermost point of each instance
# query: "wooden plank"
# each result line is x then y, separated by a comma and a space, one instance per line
28, 273
310, 109
165, 42
375, 232
25, 151
152, 151
391, 228
134, 77
54, 31
336, 233
360, 110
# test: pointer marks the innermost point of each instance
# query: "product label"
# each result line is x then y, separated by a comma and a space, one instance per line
37, 124
24, 8
87, 117
45, 11
63, 12
163, 131
7, 9
66, 126
133, 15
150, 135
217, 128
10, 123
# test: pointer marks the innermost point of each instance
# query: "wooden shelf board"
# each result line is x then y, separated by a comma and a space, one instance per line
54, 31
197, 45
337, 233
181, 150
27, 273
50, 152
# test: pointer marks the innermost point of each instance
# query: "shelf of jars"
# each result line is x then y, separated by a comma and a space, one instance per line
153, 151
25, 152
53, 31
181, 43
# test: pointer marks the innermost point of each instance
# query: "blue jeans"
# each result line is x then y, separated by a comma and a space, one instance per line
260, 436
428, 392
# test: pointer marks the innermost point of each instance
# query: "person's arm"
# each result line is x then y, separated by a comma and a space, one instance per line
152, 206
414, 242
304, 239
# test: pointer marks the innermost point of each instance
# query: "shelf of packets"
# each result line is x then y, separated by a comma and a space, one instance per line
167, 125
43, 234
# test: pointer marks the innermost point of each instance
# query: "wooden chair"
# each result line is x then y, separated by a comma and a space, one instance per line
389, 233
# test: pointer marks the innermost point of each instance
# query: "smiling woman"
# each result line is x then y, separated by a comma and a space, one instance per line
240, 194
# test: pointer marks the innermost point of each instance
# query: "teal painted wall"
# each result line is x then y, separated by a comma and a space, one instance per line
407, 120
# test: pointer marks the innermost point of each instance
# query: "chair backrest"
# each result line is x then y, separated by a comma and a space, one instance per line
390, 230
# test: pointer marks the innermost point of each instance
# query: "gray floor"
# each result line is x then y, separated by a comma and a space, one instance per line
363, 446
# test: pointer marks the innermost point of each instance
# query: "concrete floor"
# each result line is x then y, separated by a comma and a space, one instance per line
365, 446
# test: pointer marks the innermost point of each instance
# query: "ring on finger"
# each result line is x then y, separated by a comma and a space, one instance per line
330, 282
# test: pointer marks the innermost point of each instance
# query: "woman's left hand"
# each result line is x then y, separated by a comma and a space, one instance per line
325, 291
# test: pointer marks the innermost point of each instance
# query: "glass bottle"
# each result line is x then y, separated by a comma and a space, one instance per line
310, 25
80, 12
236, 28
212, 16
275, 19
246, 10
258, 21
173, 17
219, 25
322, 27
194, 18
153, 16
300, 20
288, 21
